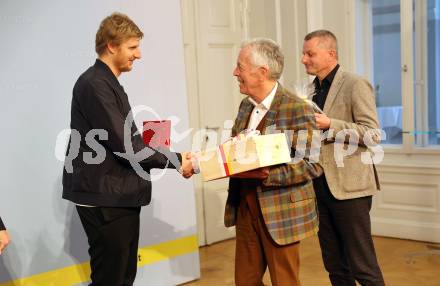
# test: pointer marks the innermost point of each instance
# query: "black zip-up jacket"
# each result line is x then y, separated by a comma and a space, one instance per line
99, 102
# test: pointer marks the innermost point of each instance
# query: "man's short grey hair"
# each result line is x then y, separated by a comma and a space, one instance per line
326, 38
266, 53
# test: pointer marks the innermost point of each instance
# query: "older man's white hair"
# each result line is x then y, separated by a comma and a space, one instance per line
266, 53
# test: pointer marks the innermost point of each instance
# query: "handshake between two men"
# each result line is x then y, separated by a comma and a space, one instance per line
248, 155
188, 167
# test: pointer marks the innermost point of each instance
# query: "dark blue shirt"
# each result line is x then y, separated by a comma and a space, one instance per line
322, 89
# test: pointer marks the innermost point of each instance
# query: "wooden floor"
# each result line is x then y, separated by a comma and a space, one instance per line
403, 263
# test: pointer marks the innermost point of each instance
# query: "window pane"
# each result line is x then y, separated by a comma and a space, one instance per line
386, 60
427, 71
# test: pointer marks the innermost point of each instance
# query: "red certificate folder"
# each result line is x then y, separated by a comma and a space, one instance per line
156, 133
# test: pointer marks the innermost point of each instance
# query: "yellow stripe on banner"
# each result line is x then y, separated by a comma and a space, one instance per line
80, 273
166, 250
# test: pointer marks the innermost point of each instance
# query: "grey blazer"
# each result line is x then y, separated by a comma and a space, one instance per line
350, 104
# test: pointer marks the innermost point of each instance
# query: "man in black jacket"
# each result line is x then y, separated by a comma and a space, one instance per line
107, 164
4, 236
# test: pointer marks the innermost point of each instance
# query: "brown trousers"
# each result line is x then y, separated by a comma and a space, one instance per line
255, 250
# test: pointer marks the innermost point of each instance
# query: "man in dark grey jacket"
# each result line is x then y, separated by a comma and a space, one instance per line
107, 165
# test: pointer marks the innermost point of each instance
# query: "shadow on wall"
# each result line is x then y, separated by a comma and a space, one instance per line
40, 253
10, 257
153, 231
44, 255
75, 239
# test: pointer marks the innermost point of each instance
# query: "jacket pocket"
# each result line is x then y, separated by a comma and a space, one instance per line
302, 193
355, 175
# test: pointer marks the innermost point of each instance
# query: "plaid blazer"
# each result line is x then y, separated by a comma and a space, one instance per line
286, 197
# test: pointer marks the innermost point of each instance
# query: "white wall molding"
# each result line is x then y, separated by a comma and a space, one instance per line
350, 30
408, 205
409, 196
415, 230
409, 169
315, 15
278, 23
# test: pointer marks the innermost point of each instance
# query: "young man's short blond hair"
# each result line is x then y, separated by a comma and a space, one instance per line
115, 29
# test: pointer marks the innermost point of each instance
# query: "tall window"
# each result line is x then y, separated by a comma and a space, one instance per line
395, 55
427, 71
386, 67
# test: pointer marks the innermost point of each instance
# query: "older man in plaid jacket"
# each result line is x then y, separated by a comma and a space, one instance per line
273, 208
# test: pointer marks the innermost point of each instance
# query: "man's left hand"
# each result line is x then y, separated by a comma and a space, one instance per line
322, 121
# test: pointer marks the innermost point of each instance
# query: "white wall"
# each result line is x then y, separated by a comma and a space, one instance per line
45, 46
